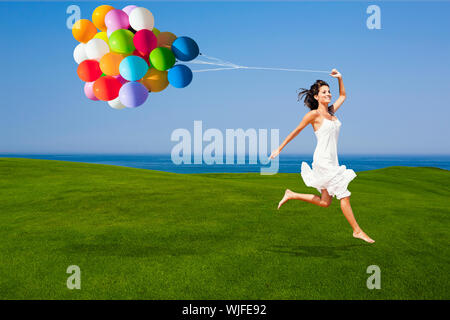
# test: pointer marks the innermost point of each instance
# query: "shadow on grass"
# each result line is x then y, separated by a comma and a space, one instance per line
314, 251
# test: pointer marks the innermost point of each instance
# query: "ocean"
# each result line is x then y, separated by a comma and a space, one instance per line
287, 163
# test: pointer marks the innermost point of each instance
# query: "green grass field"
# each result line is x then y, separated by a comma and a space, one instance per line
141, 234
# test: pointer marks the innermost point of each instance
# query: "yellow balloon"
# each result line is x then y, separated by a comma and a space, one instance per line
156, 31
98, 16
155, 80
102, 35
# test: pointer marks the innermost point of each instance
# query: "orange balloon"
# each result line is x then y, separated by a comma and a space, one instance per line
98, 16
155, 80
106, 88
83, 30
165, 39
109, 63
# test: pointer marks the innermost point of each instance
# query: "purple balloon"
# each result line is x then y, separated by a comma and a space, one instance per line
89, 90
133, 94
116, 19
129, 8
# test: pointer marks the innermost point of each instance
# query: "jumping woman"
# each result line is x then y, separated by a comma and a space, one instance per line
326, 175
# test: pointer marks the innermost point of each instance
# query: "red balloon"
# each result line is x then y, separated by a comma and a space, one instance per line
145, 41
89, 70
107, 88
146, 57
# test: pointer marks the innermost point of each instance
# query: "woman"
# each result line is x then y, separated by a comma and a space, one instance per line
326, 175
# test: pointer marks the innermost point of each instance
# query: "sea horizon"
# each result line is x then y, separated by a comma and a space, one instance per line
288, 163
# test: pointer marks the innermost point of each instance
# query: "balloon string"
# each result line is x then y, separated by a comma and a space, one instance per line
283, 69
220, 60
230, 66
215, 69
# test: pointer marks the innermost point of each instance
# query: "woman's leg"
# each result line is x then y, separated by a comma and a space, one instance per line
323, 201
348, 213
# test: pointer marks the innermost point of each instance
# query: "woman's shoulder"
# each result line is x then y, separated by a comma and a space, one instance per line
311, 116
312, 113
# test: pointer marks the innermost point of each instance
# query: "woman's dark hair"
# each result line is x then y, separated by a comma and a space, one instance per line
308, 95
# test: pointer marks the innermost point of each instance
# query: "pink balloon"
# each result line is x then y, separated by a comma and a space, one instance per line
129, 8
89, 90
145, 41
121, 79
116, 19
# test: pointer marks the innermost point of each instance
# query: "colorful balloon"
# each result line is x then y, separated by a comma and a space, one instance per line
155, 80
146, 57
107, 88
129, 57
121, 41
133, 94
83, 30
116, 104
121, 79
116, 19
133, 68
185, 49
145, 41
162, 58
89, 70
89, 91
110, 62
141, 18
165, 39
79, 53
179, 76
128, 9
98, 16
96, 49
102, 35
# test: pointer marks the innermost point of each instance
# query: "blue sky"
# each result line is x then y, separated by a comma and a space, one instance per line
397, 78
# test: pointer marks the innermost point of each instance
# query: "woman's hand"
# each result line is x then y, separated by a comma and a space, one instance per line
335, 74
274, 154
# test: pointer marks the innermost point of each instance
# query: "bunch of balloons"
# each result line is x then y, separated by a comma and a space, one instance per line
122, 57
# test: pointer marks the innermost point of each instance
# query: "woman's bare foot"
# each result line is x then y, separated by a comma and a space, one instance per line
286, 197
361, 235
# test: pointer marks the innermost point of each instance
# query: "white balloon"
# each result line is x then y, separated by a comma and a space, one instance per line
96, 48
141, 18
79, 54
116, 104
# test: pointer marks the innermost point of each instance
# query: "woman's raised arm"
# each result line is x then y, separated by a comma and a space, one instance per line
335, 74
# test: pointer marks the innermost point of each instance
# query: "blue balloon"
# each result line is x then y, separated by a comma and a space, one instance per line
179, 76
185, 49
133, 68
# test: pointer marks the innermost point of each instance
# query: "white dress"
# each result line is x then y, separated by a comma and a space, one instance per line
326, 173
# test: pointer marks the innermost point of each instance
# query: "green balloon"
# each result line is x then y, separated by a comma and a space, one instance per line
162, 58
121, 41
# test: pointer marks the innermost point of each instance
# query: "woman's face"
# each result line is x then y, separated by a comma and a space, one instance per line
324, 96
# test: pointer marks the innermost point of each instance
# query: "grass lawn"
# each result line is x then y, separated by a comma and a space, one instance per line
141, 234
